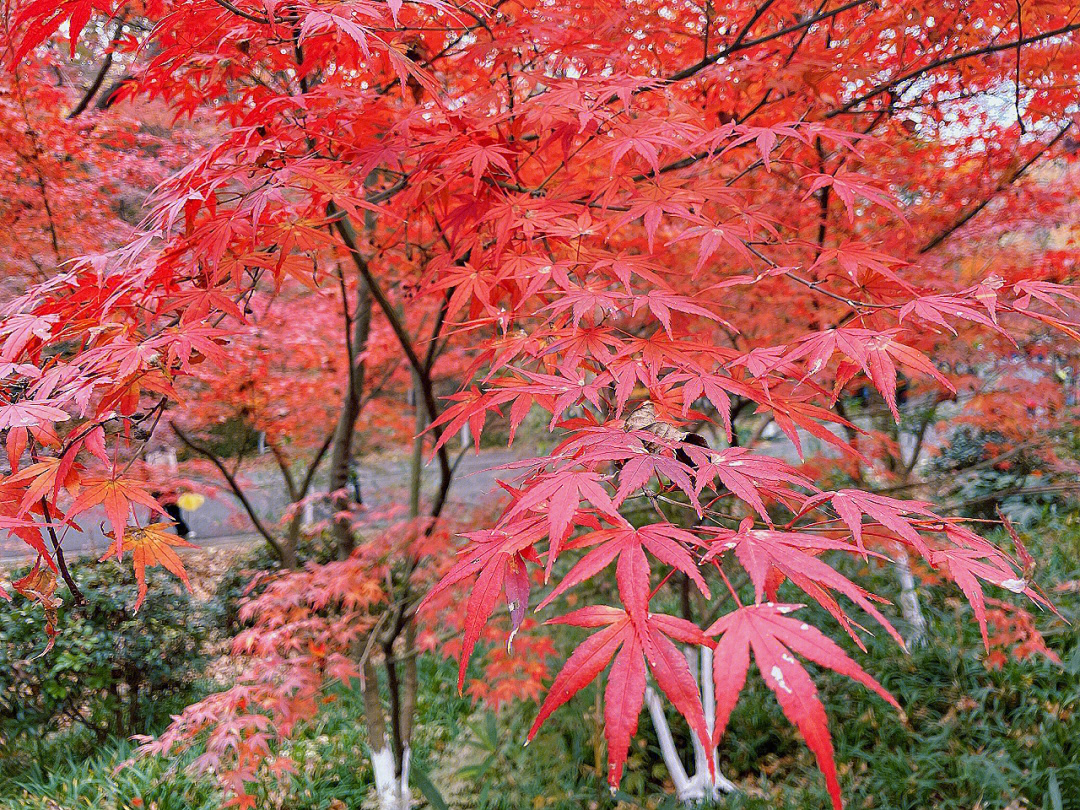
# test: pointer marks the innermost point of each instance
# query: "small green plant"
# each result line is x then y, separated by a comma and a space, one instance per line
111, 778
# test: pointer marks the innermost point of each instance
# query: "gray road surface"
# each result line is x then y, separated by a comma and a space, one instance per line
221, 520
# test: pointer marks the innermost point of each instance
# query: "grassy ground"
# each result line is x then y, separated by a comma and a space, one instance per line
972, 736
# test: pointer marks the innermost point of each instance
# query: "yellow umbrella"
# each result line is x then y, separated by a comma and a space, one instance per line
190, 501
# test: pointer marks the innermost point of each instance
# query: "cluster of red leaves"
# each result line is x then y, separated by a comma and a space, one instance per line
720, 217
1013, 631
297, 644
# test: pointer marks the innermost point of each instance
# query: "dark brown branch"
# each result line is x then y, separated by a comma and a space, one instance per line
1046, 489
948, 60
309, 477
234, 485
343, 225
690, 160
99, 79
741, 45
920, 440
286, 473
255, 18
744, 32
1001, 186
58, 551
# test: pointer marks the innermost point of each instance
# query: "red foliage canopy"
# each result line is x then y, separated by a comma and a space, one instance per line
640, 217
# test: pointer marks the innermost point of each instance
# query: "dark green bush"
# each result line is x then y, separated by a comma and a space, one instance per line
980, 490
111, 672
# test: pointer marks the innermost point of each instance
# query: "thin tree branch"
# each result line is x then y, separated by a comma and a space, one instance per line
740, 44
234, 485
948, 60
99, 79
255, 18
58, 551
347, 232
286, 473
968, 215
309, 477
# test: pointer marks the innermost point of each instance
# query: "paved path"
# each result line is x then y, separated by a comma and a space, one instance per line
222, 521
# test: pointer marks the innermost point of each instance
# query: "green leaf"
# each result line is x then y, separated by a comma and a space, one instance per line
1054, 791
427, 787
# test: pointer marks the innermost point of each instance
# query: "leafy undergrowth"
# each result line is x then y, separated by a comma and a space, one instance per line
329, 757
973, 735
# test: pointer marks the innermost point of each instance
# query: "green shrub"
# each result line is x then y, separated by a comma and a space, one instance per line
111, 672
981, 490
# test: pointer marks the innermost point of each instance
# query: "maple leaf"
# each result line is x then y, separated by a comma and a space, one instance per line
29, 414
934, 309
44, 479
793, 554
773, 637
847, 185
646, 140
497, 558
873, 352
666, 542
852, 504
150, 545
39, 585
638, 470
973, 559
14, 520
733, 234
791, 414
661, 303
20, 329
744, 474
45, 17
851, 256
559, 494
117, 495
645, 643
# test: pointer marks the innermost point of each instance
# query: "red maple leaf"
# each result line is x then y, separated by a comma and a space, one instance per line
646, 643
774, 637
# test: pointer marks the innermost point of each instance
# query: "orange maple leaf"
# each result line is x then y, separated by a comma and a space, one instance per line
150, 545
117, 495
40, 586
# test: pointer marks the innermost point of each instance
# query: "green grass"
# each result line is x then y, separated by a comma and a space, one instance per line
73, 782
70, 771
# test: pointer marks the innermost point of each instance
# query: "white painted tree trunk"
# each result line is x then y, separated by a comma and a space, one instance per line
909, 600
392, 790
702, 785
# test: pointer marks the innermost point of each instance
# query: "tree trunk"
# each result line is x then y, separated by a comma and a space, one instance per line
291, 542
341, 452
391, 779
704, 785
909, 600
